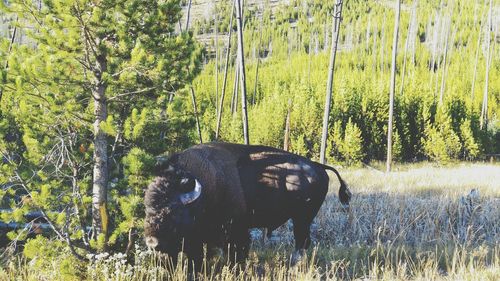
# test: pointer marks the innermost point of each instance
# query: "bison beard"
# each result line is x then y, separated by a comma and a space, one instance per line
214, 193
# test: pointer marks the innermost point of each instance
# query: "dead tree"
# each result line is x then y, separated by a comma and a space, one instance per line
193, 96
11, 43
241, 64
337, 18
257, 67
188, 14
393, 86
226, 67
484, 108
443, 77
216, 64
286, 142
478, 47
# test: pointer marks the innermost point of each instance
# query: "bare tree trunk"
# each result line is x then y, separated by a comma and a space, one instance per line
241, 56
382, 48
195, 112
6, 65
216, 65
100, 157
393, 86
475, 64
286, 142
407, 42
443, 78
234, 99
191, 89
484, 108
226, 67
337, 18
413, 31
188, 14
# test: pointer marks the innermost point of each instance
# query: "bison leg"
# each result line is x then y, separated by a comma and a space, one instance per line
239, 244
301, 233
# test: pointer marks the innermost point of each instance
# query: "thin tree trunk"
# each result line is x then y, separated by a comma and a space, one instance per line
443, 78
337, 18
6, 65
191, 89
484, 108
216, 65
100, 157
256, 81
393, 86
476, 63
413, 32
382, 48
188, 14
407, 42
226, 67
234, 99
195, 111
241, 56
286, 142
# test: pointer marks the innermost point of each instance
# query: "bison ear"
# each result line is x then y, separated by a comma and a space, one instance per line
165, 165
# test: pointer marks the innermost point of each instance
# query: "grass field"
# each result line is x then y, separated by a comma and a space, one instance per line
420, 222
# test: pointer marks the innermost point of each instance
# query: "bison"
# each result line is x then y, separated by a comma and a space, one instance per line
214, 193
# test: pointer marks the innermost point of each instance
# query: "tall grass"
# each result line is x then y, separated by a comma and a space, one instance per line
418, 223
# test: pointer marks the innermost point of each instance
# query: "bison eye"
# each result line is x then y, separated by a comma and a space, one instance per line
186, 185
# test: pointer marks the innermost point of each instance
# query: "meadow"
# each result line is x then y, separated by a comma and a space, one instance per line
420, 222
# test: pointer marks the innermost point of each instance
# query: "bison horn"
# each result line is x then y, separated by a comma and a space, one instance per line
190, 197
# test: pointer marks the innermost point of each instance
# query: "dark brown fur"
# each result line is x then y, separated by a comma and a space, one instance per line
243, 187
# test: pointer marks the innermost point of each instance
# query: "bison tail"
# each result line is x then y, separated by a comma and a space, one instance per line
344, 192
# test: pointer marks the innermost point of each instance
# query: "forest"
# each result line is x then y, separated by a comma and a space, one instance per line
93, 92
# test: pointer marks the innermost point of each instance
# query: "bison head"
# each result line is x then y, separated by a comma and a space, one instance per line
170, 202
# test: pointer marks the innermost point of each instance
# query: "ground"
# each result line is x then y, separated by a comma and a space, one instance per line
420, 222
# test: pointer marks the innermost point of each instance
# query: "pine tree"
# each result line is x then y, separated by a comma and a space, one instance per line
73, 90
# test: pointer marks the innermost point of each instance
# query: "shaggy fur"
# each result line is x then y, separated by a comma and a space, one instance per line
242, 187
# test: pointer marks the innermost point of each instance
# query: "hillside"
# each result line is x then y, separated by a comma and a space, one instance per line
442, 52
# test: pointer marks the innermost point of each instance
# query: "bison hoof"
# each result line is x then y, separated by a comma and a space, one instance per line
298, 257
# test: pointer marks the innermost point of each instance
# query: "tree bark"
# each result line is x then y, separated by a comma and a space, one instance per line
234, 99
443, 78
286, 142
226, 67
216, 65
473, 86
195, 111
337, 18
484, 108
392, 88
188, 14
241, 56
6, 65
100, 157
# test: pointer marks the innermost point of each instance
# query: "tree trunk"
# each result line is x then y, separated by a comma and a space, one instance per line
6, 65
195, 111
403, 72
393, 86
484, 108
241, 56
234, 99
337, 18
286, 142
100, 158
216, 65
226, 67
188, 14
475, 64
443, 78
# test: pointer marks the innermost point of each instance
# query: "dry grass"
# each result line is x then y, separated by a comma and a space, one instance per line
417, 223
